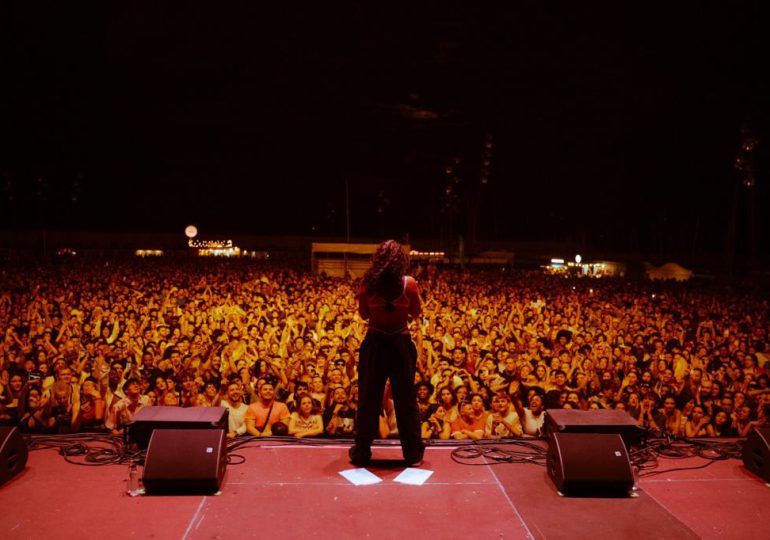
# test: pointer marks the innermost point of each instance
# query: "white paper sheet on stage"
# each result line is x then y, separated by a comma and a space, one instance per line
360, 477
414, 477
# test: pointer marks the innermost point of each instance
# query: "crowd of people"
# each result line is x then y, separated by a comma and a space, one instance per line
85, 346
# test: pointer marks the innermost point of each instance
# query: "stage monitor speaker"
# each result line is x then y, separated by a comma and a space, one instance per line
185, 461
595, 421
589, 464
13, 453
147, 419
756, 452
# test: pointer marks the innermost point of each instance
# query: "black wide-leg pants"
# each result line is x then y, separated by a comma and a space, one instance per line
385, 357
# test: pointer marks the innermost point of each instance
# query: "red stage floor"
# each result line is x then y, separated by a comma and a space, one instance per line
296, 491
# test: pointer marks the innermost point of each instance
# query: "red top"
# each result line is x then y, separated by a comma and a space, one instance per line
373, 307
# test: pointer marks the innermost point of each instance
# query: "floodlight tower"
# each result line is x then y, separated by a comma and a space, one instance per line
745, 183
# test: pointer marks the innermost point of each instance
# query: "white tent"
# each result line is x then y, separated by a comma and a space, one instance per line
667, 271
339, 259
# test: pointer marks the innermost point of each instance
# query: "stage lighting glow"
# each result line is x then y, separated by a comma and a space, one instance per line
578, 258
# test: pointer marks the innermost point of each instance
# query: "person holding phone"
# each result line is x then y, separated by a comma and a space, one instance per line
649, 416
388, 299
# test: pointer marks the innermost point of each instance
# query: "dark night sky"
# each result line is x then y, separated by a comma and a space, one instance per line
617, 125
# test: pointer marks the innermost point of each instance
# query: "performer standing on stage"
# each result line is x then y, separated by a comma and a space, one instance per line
388, 298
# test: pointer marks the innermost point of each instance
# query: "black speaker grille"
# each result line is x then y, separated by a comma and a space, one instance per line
756, 452
13, 453
589, 464
185, 461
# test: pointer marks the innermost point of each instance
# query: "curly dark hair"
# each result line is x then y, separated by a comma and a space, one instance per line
389, 265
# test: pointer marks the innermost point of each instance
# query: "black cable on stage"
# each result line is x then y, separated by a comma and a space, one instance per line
646, 457
497, 455
239, 459
88, 449
240, 443
97, 449
706, 448
464, 450
674, 469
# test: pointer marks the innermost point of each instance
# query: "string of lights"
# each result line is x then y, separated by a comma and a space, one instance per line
209, 244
